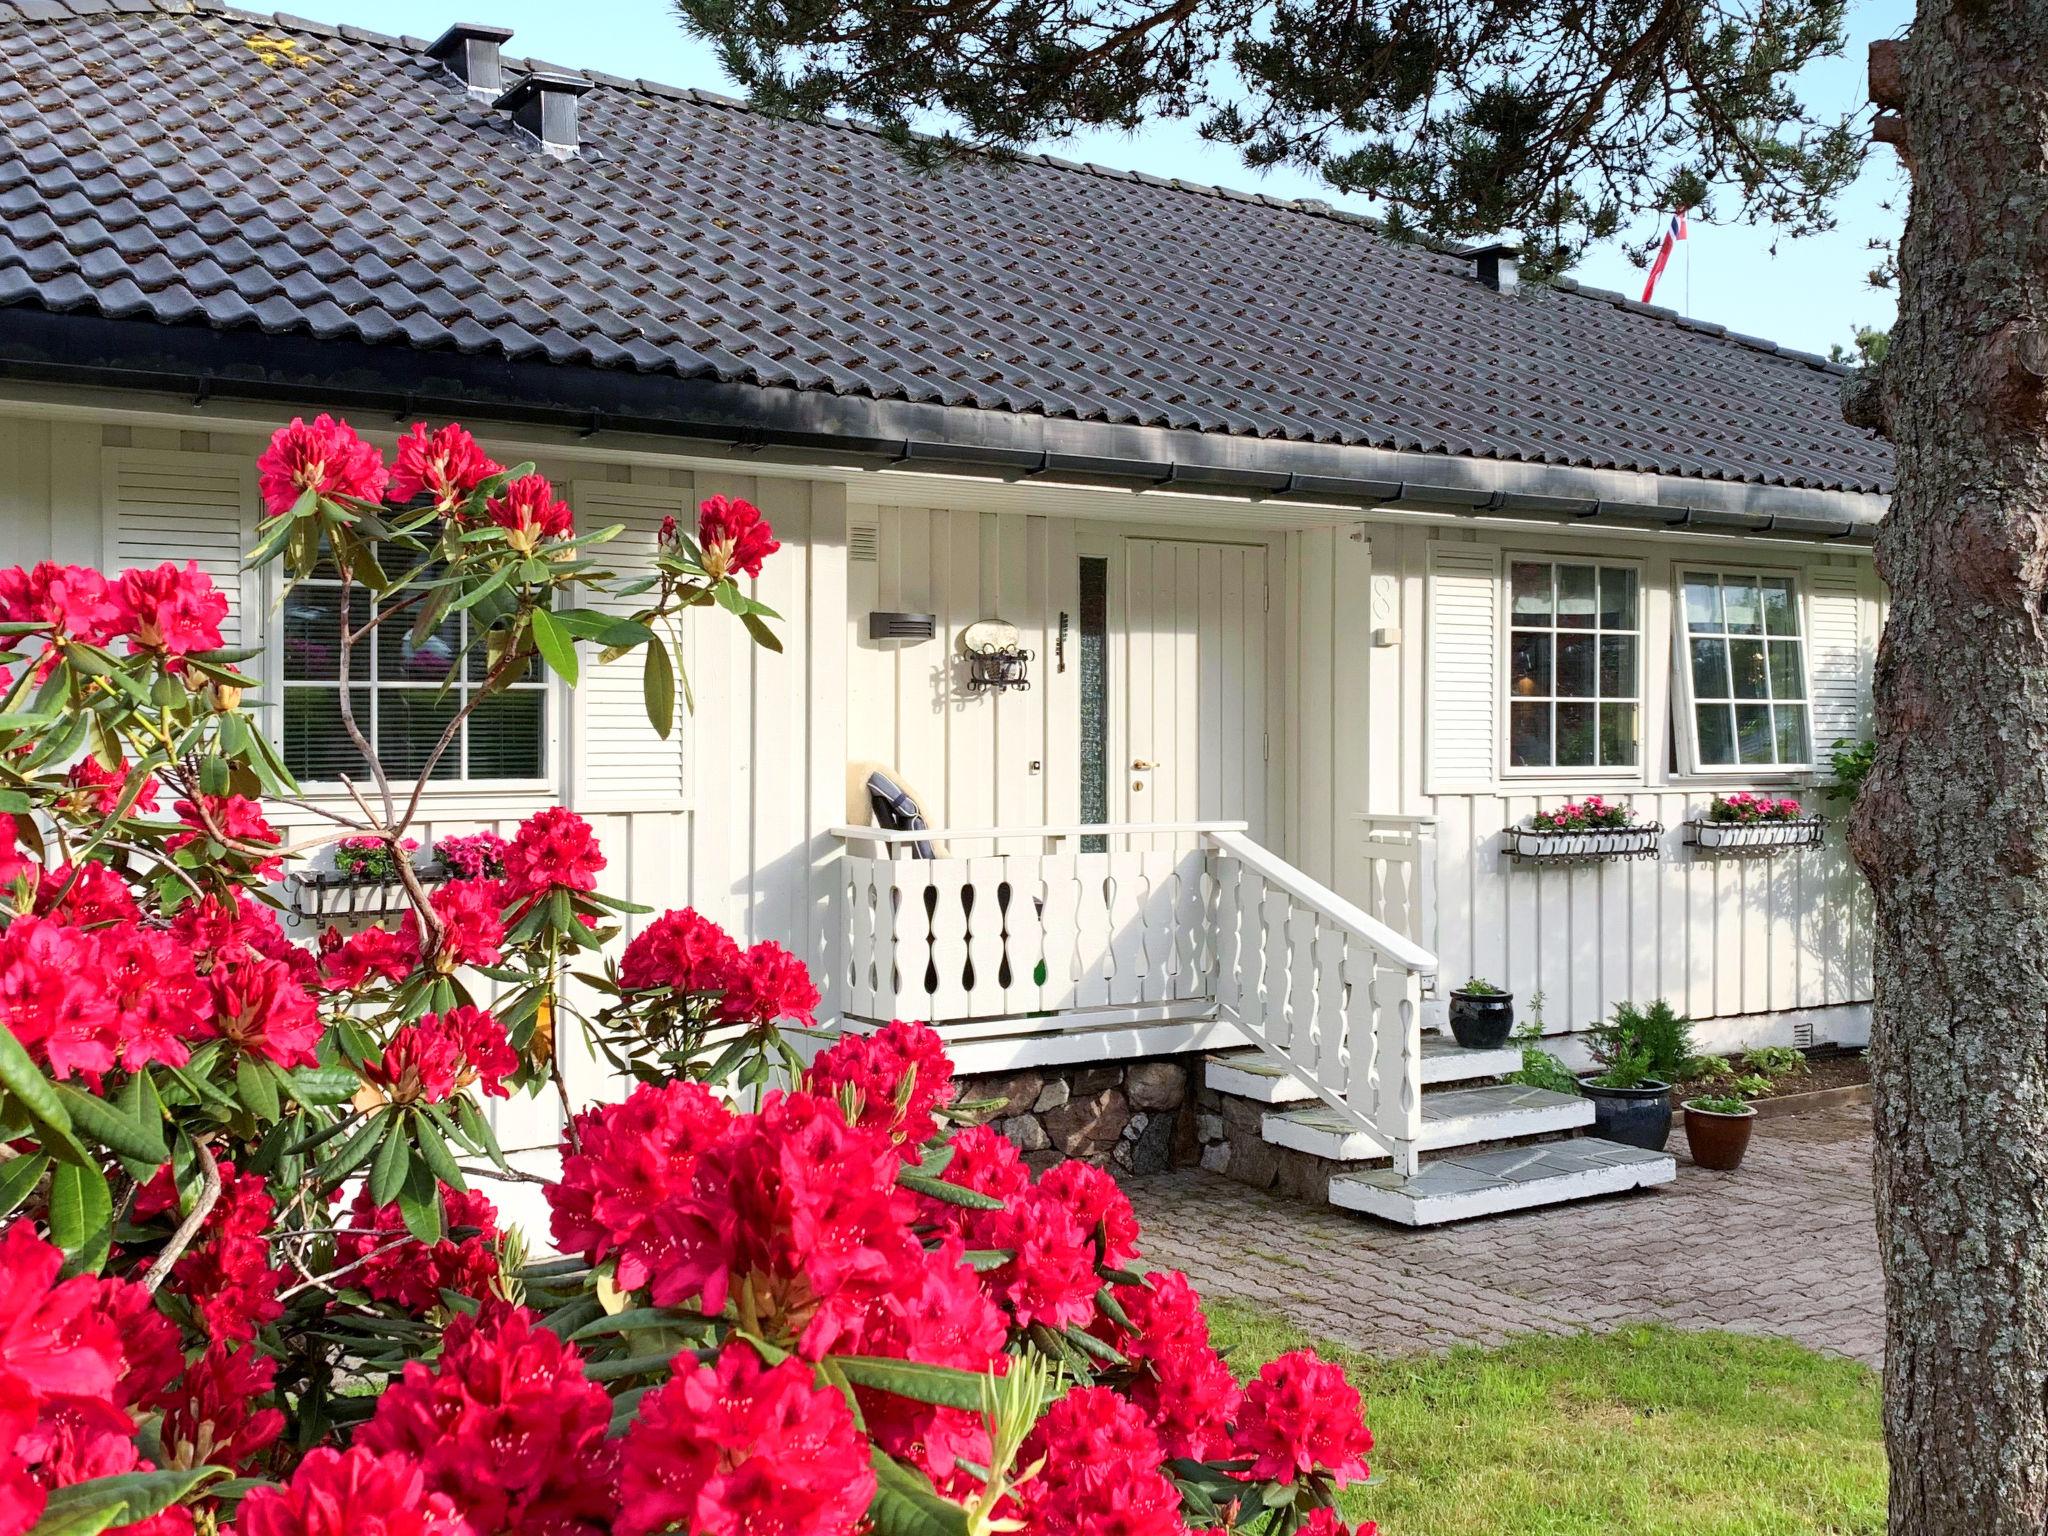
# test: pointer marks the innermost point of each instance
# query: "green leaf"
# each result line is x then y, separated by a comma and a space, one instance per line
323, 1085
366, 1139
87, 1508
419, 1197
18, 1176
435, 1154
951, 1194
258, 1092
764, 637
36, 1096
387, 1174
940, 1385
113, 1128
81, 1214
554, 645
658, 687
906, 1504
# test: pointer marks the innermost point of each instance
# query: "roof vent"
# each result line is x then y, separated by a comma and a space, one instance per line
470, 53
544, 104
1497, 263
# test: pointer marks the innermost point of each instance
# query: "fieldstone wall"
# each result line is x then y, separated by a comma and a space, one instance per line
1134, 1117
1228, 1141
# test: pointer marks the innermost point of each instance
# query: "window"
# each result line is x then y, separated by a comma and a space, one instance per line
398, 697
1745, 671
1094, 699
1574, 665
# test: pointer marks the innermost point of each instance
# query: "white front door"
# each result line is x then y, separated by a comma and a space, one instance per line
1195, 650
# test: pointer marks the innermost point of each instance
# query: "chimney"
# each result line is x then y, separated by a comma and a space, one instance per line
1496, 263
470, 53
544, 104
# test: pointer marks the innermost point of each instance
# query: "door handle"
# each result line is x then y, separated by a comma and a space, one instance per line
1139, 765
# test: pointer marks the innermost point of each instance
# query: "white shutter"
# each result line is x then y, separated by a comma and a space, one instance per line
620, 762
163, 505
1459, 702
1842, 656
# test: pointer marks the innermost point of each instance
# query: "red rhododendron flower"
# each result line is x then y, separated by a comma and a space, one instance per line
1325, 1522
58, 1339
767, 985
1103, 1210
326, 457
734, 1449
100, 788
89, 896
1301, 1416
554, 847
226, 1273
506, 1385
1101, 1475
1178, 1379
346, 963
76, 601
170, 611
900, 1073
260, 1006
217, 931
238, 819
634, 1155
51, 999
529, 511
733, 536
682, 950
1050, 1277
473, 924
413, 1274
439, 1055
160, 1002
13, 862
217, 1415
351, 1493
804, 1209
444, 465
986, 1161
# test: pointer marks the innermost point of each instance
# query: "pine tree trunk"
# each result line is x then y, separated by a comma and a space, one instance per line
1953, 826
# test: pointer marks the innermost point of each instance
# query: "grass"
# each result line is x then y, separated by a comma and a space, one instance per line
1643, 1432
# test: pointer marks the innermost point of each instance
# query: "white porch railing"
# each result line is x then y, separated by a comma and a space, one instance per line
1399, 877
1176, 919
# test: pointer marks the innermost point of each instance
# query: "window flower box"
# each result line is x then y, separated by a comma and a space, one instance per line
1584, 831
1759, 837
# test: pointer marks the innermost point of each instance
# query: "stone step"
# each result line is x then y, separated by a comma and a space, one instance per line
1465, 1185
1451, 1117
1254, 1075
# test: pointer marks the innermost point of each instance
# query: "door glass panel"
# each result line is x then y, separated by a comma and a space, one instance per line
1094, 663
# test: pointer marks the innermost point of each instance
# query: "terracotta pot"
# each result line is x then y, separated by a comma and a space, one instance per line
1717, 1140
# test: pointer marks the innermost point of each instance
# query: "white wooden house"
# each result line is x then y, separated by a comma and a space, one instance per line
1334, 558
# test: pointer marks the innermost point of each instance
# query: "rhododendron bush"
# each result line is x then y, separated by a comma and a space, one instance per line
251, 1274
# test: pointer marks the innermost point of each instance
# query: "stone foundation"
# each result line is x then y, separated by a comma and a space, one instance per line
1228, 1142
1134, 1117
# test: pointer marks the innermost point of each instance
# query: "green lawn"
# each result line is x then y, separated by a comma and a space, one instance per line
1644, 1432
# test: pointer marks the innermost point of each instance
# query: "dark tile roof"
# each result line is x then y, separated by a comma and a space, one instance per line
165, 159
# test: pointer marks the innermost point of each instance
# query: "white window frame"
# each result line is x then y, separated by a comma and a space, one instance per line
1683, 704
555, 702
1609, 773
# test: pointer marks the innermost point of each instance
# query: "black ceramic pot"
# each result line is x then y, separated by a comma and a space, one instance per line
1635, 1117
1482, 1021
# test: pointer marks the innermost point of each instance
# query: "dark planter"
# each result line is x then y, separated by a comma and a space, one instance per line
1717, 1140
1635, 1117
1482, 1022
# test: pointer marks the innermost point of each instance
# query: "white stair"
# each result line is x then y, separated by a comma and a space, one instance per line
1462, 1186
1452, 1117
1255, 1075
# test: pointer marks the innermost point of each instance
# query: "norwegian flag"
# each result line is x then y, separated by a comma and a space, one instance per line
1673, 233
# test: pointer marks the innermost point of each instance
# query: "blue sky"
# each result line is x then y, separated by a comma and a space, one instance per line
1803, 293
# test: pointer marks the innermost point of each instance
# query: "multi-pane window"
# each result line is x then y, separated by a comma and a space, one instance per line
1574, 665
1745, 671
401, 695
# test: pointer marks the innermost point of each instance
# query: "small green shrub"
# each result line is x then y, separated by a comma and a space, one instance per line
1775, 1061
1849, 762
1629, 1069
1719, 1104
1540, 1069
1660, 1034
1478, 986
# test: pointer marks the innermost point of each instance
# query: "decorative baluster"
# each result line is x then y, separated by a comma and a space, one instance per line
1024, 921
1226, 880
984, 921
1330, 942
1093, 967
1397, 1006
1126, 927
949, 939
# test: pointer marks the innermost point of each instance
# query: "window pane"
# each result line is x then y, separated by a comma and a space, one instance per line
1575, 735
1576, 603
401, 661
1746, 659
1575, 658
409, 723
1617, 598
1529, 735
316, 745
1791, 719
505, 735
1710, 669
1617, 666
1787, 680
1618, 735
1702, 602
1781, 614
1532, 593
1753, 733
312, 634
1739, 605
1717, 735
1529, 661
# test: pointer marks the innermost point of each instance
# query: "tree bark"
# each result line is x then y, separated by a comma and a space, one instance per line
1952, 828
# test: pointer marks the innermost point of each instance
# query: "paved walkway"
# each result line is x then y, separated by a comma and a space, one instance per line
1786, 1246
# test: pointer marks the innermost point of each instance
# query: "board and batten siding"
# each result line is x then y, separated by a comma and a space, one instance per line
1394, 658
